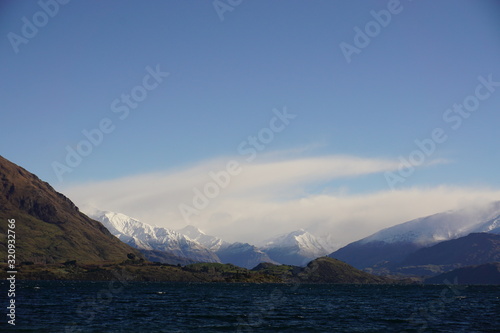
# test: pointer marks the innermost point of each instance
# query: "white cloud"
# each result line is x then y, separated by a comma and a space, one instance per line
271, 197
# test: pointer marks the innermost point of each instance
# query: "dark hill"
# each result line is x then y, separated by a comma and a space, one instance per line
330, 270
49, 227
481, 274
473, 249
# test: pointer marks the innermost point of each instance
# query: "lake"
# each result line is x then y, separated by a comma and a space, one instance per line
124, 306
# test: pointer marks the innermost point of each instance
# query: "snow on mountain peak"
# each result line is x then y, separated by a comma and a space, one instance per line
148, 237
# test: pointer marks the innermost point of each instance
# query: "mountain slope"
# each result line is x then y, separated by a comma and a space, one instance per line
395, 243
146, 237
295, 248
49, 227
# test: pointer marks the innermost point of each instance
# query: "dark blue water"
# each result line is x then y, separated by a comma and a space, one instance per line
122, 306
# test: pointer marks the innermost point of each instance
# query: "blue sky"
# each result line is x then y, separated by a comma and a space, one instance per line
227, 76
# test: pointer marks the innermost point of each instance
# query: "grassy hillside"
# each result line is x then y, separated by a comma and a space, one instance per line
49, 228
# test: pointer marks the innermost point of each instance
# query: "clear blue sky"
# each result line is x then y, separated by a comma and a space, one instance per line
227, 76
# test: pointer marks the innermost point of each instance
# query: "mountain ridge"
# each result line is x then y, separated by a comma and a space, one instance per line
191, 244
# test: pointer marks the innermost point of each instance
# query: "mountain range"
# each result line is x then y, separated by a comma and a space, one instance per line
55, 240
407, 249
52, 231
190, 244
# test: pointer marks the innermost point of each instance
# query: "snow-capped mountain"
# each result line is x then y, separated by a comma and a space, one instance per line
395, 243
210, 242
188, 244
295, 248
146, 237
